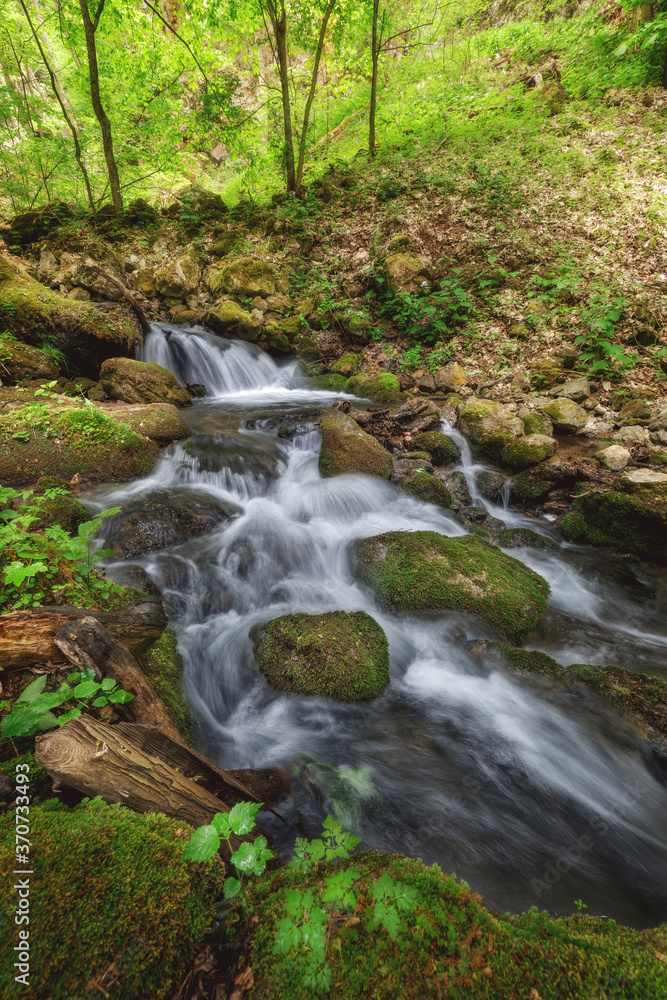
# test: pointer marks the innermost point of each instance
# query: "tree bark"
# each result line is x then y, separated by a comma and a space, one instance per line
27, 637
89, 646
98, 759
311, 95
90, 27
125, 292
375, 59
278, 17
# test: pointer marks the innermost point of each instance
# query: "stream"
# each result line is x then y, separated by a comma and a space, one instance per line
533, 794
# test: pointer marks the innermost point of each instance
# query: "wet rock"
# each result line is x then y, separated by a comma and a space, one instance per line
577, 389
613, 458
406, 271
408, 465
450, 378
382, 387
490, 484
333, 655
566, 415
141, 382
416, 416
513, 538
347, 448
429, 489
533, 484
489, 427
180, 278
424, 571
441, 448
529, 450
230, 320
164, 518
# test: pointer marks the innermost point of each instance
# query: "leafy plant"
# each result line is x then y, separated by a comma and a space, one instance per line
432, 318
33, 709
599, 352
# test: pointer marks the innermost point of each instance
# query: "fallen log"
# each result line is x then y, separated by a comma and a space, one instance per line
87, 645
125, 292
98, 759
27, 637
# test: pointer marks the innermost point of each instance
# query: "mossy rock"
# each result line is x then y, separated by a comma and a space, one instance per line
64, 510
332, 382
181, 277
514, 538
158, 421
533, 484
446, 943
109, 889
527, 451
429, 489
406, 272
383, 387
64, 440
41, 785
566, 415
141, 382
335, 655
19, 362
424, 571
625, 522
441, 448
489, 427
347, 448
246, 276
163, 666
306, 346
230, 320
537, 423
348, 365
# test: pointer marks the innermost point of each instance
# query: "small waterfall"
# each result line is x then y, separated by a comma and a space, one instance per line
491, 776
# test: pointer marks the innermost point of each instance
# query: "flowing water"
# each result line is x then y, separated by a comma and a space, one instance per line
535, 795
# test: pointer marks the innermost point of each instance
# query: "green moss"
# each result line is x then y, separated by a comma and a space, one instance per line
64, 510
332, 382
163, 666
523, 453
424, 571
532, 484
529, 660
442, 449
347, 448
429, 489
348, 365
383, 387
513, 538
40, 784
111, 900
626, 522
337, 655
450, 945
573, 527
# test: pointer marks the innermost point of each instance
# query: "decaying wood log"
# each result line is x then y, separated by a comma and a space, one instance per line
87, 645
26, 637
125, 292
99, 759
267, 785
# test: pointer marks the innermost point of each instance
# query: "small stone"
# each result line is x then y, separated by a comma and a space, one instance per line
79, 295
566, 415
577, 389
659, 423
635, 409
614, 458
631, 435
450, 378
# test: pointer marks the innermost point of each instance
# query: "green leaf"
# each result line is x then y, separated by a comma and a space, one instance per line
231, 888
33, 690
242, 817
73, 713
203, 844
100, 702
86, 689
120, 697
221, 823
622, 49
108, 684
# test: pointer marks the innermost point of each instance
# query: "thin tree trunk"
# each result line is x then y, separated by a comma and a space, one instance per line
61, 101
278, 18
311, 95
90, 27
375, 59
48, 48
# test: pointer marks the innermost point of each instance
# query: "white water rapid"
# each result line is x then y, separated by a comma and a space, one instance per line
534, 795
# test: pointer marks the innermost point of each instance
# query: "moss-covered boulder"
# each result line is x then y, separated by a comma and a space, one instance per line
348, 365
163, 518
247, 276
62, 438
566, 415
489, 427
382, 387
112, 902
158, 421
534, 483
141, 382
429, 489
87, 333
535, 422
181, 277
625, 519
515, 538
441, 941
527, 451
163, 666
347, 448
424, 571
406, 271
336, 655
20, 362
62, 509
230, 320
440, 447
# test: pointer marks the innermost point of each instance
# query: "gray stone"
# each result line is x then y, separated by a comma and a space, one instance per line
577, 389
614, 458
566, 415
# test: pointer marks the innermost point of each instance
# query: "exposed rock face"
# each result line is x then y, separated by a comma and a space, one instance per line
423, 571
347, 448
489, 427
567, 416
406, 271
613, 458
247, 276
231, 320
84, 276
180, 278
141, 382
451, 378
334, 655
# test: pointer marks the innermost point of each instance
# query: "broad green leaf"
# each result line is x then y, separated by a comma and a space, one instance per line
242, 817
231, 888
86, 689
33, 690
203, 844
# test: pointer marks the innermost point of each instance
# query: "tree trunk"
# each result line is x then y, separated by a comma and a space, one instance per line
27, 637
125, 292
90, 27
278, 17
311, 95
98, 759
89, 646
375, 59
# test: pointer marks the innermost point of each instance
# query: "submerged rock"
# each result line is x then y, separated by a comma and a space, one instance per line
347, 448
141, 382
513, 538
424, 571
335, 655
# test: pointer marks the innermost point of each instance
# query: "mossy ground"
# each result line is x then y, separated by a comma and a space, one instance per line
336, 654
163, 666
114, 911
424, 571
451, 946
